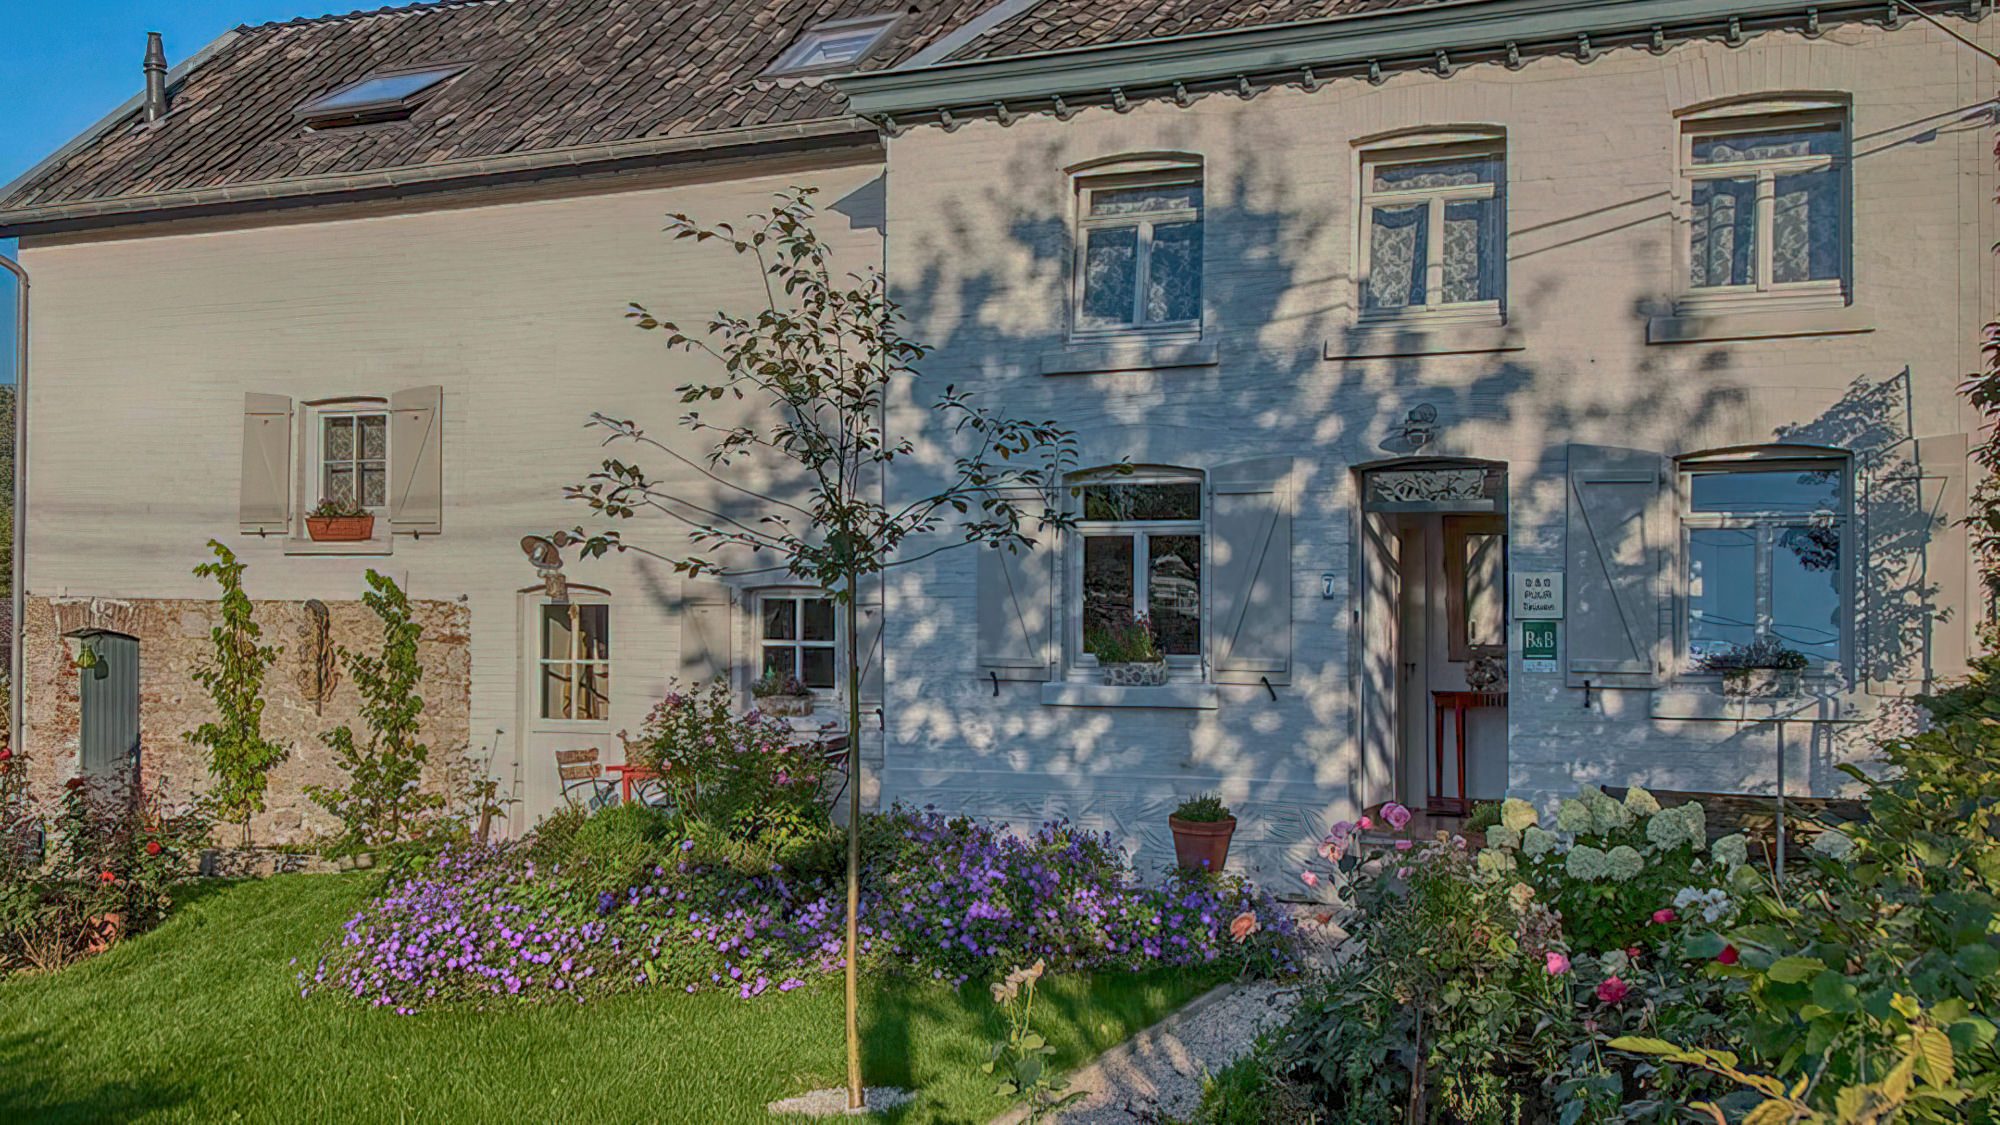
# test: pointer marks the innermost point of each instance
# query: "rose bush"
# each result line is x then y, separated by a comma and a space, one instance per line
749, 774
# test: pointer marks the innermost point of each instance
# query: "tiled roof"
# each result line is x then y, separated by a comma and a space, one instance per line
543, 75
1054, 25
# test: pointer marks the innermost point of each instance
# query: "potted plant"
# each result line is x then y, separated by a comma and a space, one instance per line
339, 521
1762, 669
1128, 654
782, 696
1202, 827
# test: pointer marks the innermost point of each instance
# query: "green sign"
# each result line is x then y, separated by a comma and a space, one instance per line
1538, 645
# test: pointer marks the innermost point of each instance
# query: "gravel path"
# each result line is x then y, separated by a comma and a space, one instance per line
1157, 1074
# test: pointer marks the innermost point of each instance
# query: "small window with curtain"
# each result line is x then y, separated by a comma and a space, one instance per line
1766, 545
1434, 232
1766, 208
1139, 555
1139, 250
353, 455
575, 662
798, 639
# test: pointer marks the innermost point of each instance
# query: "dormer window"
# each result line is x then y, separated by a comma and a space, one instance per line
834, 46
378, 97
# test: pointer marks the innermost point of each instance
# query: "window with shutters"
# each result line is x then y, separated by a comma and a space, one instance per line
1433, 232
1766, 191
1138, 553
1766, 546
384, 456
798, 637
1139, 251
349, 446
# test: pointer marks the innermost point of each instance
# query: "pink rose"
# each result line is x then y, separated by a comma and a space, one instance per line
1311, 880
1662, 917
1332, 848
1612, 990
1557, 964
1366, 823
1396, 815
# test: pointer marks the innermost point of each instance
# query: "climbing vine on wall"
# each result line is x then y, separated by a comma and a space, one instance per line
239, 756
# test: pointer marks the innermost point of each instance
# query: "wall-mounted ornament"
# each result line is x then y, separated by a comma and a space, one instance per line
317, 665
1417, 429
1411, 486
546, 555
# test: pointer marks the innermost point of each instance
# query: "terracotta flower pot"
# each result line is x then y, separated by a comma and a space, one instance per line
1201, 845
340, 529
102, 931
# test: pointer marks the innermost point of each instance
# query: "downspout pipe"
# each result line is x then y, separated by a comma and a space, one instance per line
16, 665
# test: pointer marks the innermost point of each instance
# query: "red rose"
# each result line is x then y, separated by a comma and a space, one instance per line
1728, 956
1662, 917
1633, 952
152, 847
5, 753
107, 876
1612, 990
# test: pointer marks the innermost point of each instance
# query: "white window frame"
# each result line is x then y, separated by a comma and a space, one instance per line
792, 61
1435, 308
1180, 668
1088, 182
797, 594
577, 599
317, 416
1766, 527
1764, 293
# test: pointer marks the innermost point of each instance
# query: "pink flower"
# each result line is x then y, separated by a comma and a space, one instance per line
1242, 926
1366, 823
1402, 873
1633, 952
1332, 848
1728, 956
1662, 917
1311, 880
1612, 990
1341, 831
1557, 964
1405, 845
1397, 816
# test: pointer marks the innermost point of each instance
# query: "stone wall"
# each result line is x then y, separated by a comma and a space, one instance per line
173, 634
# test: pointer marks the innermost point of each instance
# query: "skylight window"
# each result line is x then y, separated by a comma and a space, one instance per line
833, 46
378, 97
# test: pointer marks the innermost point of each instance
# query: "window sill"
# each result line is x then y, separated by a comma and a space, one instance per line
1822, 701
1718, 324
1422, 335
379, 545
1134, 356
1197, 697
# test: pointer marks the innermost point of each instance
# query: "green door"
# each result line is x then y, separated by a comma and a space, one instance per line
110, 691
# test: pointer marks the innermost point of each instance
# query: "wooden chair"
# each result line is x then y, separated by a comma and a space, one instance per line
578, 769
652, 791
831, 744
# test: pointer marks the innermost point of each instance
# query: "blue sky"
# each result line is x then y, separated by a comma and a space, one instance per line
67, 63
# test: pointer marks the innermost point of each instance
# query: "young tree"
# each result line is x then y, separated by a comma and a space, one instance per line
817, 365
239, 756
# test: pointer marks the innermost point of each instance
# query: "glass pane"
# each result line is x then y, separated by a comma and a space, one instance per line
339, 484
1138, 200
1436, 174
555, 632
1173, 277
371, 91
1398, 249
1471, 250
1485, 590
1173, 592
818, 614
595, 623
818, 667
1735, 148
339, 439
1805, 590
780, 659
555, 691
1776, 490
1110, 262
1805, 227
781, 621
835, 49
1107, 582
593, 691
374, 436
1722, 589
1178, 501
374, 485
1723, 241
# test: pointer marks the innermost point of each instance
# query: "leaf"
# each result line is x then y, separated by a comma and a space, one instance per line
1641, 1045
1933, 1055
1971, 1034
1896, 1086
1033, 1041
1833, 992
1772, 1112
1978, 960
1792, 970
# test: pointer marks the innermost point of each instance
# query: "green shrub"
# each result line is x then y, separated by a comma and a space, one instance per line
1205, 809
746, 774
619, 846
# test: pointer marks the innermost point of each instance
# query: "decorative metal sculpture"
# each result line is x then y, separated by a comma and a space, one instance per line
1414, 485
318, 669
546, 555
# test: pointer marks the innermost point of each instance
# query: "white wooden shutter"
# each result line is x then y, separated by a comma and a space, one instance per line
416, 460
265, 504
1912, 583
1017, 601
869, 617
1616, 600
1250, 572
707, 627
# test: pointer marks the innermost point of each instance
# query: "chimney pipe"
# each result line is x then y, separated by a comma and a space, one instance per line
156, 77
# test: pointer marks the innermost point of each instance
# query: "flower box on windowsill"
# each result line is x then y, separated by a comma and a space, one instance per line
340, 529
1147, 674
786, 706
1761, 683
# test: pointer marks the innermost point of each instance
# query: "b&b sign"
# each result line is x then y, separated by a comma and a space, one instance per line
1538, 595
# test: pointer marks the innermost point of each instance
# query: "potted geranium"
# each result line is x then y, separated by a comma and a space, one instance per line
1128, 654
339, 521
781, 696
1202, 827
1762, 669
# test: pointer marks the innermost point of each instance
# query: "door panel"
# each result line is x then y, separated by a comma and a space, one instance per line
109, 691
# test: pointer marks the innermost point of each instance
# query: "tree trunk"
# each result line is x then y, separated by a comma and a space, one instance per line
854, 1098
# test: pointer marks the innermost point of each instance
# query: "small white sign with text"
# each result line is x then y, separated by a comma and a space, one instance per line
1538, 595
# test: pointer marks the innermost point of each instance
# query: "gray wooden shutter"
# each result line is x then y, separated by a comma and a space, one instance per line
1914, 568
869, 616
416, 460
109, 706
265, 504
706, 631
1617, 567
1250, 572
1017, 601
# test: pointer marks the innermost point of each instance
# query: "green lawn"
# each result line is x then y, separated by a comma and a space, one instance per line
201, 1021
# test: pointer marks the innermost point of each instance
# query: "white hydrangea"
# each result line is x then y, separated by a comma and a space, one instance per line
1683, 824
1574, 816
1605, 813
1536, 841
1714, 906
1586, 862
1615, 962
1640, 803
1501, 836
1493, 861
1731, 851
1518, 814
1624, 863
1833, 844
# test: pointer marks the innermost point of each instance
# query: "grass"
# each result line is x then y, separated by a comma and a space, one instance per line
201, 1021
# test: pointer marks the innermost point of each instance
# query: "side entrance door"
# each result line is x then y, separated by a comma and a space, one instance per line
109, 689
565, 692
